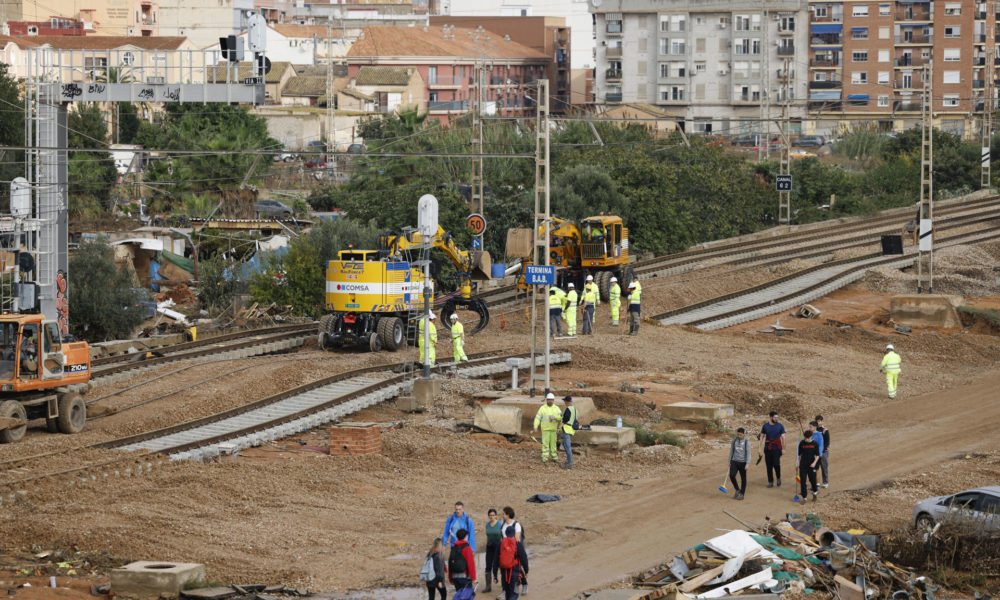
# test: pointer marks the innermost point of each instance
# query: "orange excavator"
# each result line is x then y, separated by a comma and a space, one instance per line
37, 375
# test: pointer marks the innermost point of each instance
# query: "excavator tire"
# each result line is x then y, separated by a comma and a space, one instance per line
10, 409
375, 342
325, 324
390, 329
72, 413
603, 280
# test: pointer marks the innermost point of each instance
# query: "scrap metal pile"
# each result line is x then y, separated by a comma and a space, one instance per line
795, 556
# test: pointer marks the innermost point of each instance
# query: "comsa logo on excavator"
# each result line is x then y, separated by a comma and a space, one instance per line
352, 287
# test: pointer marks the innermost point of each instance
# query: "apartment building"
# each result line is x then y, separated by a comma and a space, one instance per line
868, 61
717, 66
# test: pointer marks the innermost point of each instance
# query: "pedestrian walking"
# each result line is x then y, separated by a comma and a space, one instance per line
432, 573
816, 435
569, 313
891, 365
615, 300
458, 339
510, 521
808, 458
459, 520
548, 418
739, 460
462, 563
634, 306
591, 298
824, 459
431, 355
494, 534
513, 565
772, 436
569, 427
555, 311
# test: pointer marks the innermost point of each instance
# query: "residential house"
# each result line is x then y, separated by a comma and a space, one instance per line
658, 122
105, 17
203, 22
54, 26
304, 91
354, 100
446, 58
274, 80
352, 16
392, 89
299, 44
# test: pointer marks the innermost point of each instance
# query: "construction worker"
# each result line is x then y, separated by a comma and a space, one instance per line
431, 355
458, 339
591, 298
615, 298
548, 418
555, 311
570, 312
569, 425
891, 367
634, 292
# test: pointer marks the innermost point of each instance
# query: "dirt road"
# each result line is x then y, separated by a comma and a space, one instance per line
660, 517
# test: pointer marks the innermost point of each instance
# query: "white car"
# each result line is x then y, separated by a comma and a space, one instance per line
977, 508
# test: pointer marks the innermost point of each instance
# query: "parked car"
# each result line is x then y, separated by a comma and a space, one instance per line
272, 208
978, 508
316, 146
356, 149
285, 157
748, 139
316, 161
809, 141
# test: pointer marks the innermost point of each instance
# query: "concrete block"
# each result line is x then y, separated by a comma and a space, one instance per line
426, 391
926, 310
697, 411
149, 579
407, 403
529, 406
605, 435
500, 418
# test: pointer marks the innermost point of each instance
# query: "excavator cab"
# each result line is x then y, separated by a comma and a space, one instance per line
603, 241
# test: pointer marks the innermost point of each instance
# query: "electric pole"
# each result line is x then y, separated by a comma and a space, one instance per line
541, 230
987, 133
785, 196
926, 243
331, 132
765, 89
478, 103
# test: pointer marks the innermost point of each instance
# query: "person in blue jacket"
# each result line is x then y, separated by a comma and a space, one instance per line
459, 520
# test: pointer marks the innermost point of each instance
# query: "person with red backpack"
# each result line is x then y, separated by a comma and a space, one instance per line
513, 563
461, 563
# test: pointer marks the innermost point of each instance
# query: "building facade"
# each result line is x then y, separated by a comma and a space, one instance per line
203, 22
717, 66
105, 17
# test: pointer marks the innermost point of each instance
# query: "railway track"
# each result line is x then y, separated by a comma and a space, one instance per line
303, 407
242, 344
781, 247
798, 288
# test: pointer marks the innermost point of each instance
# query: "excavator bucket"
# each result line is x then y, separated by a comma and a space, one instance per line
476, 305
479, 270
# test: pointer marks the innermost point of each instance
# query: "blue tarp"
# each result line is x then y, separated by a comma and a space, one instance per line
255, 264
825, 28
154, 274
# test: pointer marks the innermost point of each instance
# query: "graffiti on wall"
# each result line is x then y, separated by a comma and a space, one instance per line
62, 302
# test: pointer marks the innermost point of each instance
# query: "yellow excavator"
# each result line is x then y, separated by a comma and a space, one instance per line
375, 295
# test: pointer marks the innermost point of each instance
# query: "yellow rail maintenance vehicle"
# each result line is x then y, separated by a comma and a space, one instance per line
376, 296
595, 246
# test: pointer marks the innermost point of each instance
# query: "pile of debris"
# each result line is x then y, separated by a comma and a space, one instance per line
796, 556
244, 592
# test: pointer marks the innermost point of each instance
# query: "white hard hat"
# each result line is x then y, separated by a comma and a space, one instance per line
590, 277
631, 284
614, 280
571, 286
550, 396
890, 347
454, 317
433, 316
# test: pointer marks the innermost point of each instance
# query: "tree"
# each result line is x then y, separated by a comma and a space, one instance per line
128, 122
92, 175
102, 303
584, 191
294, 279
11, 130
218, 282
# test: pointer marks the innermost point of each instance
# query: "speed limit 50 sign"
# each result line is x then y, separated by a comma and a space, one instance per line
476, 223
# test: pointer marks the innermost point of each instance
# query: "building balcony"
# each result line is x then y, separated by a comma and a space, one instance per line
819, 106
825, 85
747, 99
614, 52
980, 15
979, 38
978, 84
613, 74
448, 105
907, 86
445, 82
826, 39
613, 97
910, 13
788, 31
831, 63
786, 50
979, 61
913, 40
910, 61
833, 17
905, 106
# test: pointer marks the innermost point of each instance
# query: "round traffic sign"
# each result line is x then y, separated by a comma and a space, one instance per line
476, 223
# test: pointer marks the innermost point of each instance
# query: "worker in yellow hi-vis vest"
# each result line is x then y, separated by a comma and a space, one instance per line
458, 339
891, 366
570, 312
615, 300
549, 419
591, 298
431, 355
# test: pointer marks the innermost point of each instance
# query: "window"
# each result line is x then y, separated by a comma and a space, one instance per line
952, 77
952, 9
671, 93
859, 77
821, 11
755, 46
953, 31
755, 22
741, 46
883, 101
884, 10
678, 69
664, 69
786, 24
678, 47
432, 96
741, 69
950, 100
883, 33
614, 26
819, 76
859, 33
664, 23
952, 54
742, 22
432, 75
699, 45
883, 56
860, 10
703, 127
664, 45
679, 22
860, 56
883, 77
699, 67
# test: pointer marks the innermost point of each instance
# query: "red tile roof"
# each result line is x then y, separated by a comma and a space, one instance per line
303, 31
434, 41
102, 42
22, 42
